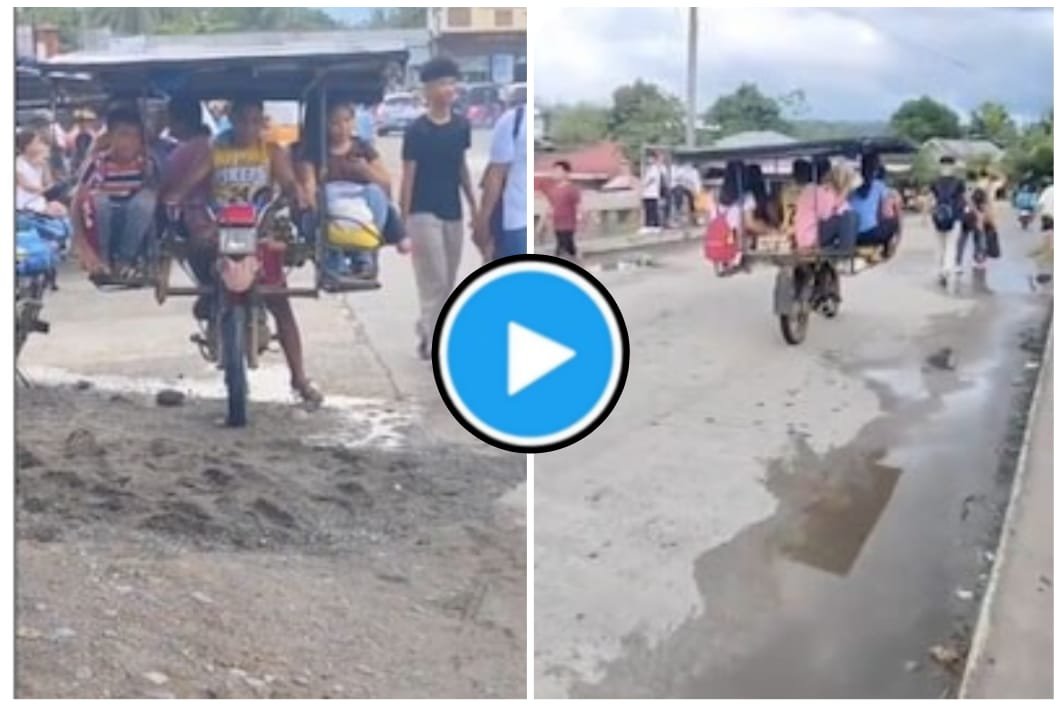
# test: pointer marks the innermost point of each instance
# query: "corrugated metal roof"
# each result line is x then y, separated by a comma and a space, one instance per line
753, 138
965, 149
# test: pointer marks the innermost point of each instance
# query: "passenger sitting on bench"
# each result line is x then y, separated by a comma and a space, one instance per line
838, 228
116, 198
867, 201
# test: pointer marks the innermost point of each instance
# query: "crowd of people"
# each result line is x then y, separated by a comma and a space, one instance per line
824, 206
964, 211
137, 174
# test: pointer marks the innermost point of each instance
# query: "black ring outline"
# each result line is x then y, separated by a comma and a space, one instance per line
624, 362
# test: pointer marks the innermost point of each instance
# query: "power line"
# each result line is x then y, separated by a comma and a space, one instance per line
903, 40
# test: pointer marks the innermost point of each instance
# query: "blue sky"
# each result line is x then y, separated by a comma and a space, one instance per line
852, 64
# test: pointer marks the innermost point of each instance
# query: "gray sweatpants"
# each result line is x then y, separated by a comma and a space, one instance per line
437, 246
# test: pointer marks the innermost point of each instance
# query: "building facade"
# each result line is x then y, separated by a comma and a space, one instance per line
488, 43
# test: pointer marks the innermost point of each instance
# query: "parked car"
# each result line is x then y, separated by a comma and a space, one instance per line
397, 112
481, 104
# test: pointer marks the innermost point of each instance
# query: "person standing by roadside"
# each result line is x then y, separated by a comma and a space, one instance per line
651, 192
686, 189
666, 191
1045, 207
948, 196
505, 188
434, 173
565, 199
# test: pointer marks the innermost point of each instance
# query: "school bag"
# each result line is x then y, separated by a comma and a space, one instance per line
943, 213
497, 216
350, 221
721, 244
992, 248
33, 254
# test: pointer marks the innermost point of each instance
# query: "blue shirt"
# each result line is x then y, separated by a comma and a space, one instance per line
510, 149
868, 207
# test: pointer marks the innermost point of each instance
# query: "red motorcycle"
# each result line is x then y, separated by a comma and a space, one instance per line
252, 249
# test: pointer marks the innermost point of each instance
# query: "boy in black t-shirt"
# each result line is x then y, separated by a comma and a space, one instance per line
434, 173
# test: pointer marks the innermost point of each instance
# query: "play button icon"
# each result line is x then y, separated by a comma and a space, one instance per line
531, 356
530, 353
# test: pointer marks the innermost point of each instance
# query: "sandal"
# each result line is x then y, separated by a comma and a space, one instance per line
311, 397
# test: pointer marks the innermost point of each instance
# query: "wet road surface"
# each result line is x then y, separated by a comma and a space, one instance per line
758, 520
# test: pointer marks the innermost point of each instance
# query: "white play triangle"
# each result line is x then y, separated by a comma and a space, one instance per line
532, 356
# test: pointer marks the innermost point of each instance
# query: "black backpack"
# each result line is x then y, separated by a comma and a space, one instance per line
497, 217
944, 214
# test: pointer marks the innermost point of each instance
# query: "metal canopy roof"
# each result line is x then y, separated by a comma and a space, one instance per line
810, 149
34, 89
267, 71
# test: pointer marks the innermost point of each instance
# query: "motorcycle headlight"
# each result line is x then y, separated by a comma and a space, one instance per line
238, 241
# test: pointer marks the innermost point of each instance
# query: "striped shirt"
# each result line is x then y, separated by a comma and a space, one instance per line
119, 181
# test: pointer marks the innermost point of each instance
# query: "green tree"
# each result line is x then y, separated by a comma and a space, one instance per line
65, 19
176, 20
397, 17
1032, 153
748, 108
580, 124
641, 114
925, 168
992, 121
126, 20
268, 19
923, 118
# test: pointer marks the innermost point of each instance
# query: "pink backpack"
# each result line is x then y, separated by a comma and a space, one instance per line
721, 243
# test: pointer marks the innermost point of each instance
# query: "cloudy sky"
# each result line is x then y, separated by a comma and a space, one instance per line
852, 64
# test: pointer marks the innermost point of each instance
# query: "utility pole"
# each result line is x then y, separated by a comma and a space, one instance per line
690, 77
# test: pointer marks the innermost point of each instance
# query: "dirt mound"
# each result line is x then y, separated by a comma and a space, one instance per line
87, 461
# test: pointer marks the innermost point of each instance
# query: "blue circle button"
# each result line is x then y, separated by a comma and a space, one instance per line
531, 353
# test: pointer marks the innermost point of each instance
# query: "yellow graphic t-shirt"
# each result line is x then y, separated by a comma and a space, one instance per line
240, 173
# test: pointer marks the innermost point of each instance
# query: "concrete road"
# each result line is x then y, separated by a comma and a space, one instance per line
760, 520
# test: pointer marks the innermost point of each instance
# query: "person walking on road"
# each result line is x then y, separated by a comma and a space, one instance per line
565, 199
434, 173
651, 191
501, 229
948, 209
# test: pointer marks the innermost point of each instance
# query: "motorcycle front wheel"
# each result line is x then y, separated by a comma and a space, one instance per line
234, 362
